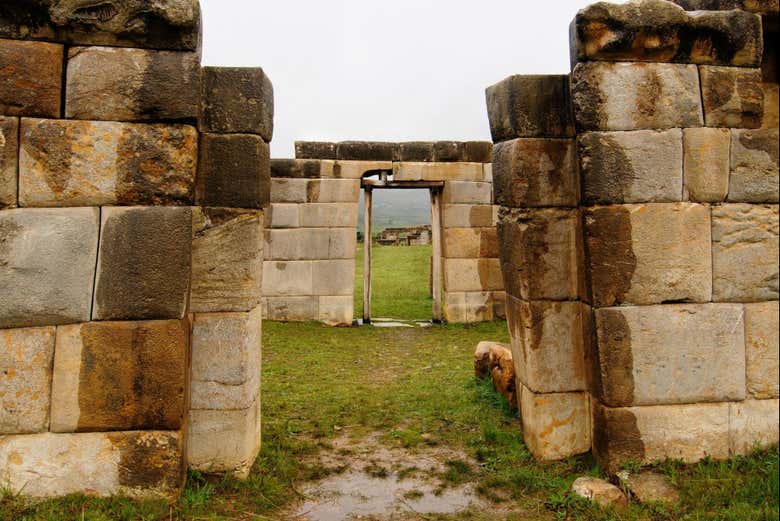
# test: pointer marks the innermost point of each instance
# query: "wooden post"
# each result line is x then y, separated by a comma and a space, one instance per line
436, 247
367, 239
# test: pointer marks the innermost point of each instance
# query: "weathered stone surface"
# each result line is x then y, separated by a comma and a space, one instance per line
140, 464
649, 487
732, 97
548, 344
344, 169
92, 163
30, 78
287, 278
753, 424
143, 270
366, 151
755, 177
706, 163
288, 190
744, 253
530, 106
541, 253
649, 253
467, 243
599, 491
226, 360
342, 243
472, 275
467, 215
658, 31
659, 432
333, 277
535, 172
237, 100
315, 150
631, 167
114, 376
282, 215
482, 358
761, 349
9, 161
421, 171
166, 24
227, 259
467, 192
293, 309
502, 372
675, 353
25, 388
332, 191
224, 440
415, 151
468, 307
234, 171
635, 96
555, 426
336, 310
754, 6
771, 111
296, 168
298, 244
47, 258
476, 151
329, 215
112, 83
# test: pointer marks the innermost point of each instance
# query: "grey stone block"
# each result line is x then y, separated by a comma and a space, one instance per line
237, 100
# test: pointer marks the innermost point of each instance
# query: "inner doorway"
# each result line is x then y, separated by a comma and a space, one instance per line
401, 246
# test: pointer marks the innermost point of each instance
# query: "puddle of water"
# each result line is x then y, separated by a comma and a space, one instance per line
354, 494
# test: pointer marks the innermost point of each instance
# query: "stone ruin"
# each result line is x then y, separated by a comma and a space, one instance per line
132, 187
405, 236
637, 235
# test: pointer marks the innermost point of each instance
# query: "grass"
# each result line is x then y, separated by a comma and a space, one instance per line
416, 388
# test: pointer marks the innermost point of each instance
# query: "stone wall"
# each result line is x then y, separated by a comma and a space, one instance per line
639, 237
130, 247
311, 244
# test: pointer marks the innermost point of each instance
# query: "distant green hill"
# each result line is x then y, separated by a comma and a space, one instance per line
398, 208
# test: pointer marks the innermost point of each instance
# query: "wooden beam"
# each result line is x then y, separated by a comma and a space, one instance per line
436, 247
367, 256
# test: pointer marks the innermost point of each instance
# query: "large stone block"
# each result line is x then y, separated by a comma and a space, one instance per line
30, 78
753, 6
328, 215
530, 106
298, 244
315, 150
287, 278
112, 83
342, 243
367, 151
649, 253
333, 277
467, 215
744, 253
555, 426
336, 311
659, 432
47, 265
470, 307
541, 253
237, 100
706, 163
658, 31
762, 355
300, 168
631, 167
635, 96
466, 243
173, 24
95, 163
536, 172
479, 275
753, 424
234, 171
755, 177
119, 376
288, 190
675, 353
144, 266
332, 191
771, 106
467, 192
420, 171
226, 360
343, 169
548, 344
283, 215
732, 97
293, 309
9, 161
224, 440
25, 389
139, 464
227, 259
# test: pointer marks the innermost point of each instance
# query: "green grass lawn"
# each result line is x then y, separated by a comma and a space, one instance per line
400, 282
416, 388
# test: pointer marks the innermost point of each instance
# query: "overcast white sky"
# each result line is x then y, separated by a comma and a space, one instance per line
392, 70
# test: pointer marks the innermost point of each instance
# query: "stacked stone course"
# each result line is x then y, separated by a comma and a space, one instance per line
671, 256
311, 244
131, 274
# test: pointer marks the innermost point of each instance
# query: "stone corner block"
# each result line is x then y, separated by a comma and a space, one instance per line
237, 100
557, 425
30, 78
234, 171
